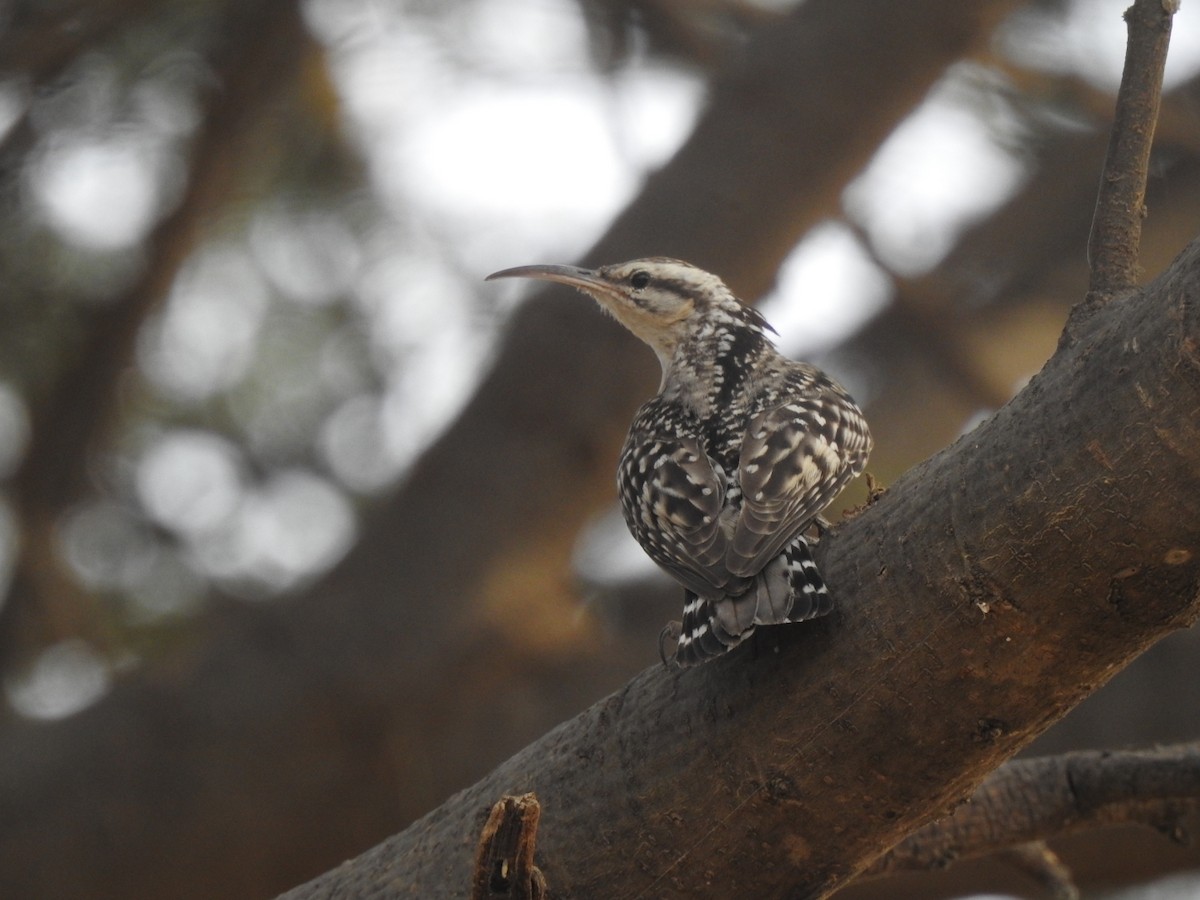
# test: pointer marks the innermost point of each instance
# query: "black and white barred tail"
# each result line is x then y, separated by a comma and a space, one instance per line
789, 589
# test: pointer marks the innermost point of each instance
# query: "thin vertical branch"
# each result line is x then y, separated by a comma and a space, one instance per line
1120, 203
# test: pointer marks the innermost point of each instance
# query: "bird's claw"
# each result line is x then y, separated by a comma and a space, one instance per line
875, 490
670, 632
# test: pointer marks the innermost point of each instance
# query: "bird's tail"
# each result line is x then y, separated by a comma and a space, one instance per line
789, 589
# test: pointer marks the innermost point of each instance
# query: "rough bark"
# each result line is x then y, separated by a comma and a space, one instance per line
1033, 800
990, 590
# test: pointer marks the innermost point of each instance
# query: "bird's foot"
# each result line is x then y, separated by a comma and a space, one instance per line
670, 632
875, 491
817, 529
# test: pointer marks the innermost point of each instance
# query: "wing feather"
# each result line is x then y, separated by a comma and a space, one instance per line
676, 498
796, 458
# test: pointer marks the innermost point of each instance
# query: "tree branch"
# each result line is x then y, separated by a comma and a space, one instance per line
1037, 799
1120, 204
954, 643
1043, 866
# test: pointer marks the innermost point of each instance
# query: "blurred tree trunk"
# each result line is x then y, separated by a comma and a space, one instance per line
263, 45
290, 738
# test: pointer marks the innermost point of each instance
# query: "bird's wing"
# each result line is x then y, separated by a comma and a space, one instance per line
673, 501
795, 459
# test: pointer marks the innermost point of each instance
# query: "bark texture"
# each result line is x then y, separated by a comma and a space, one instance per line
989, 591
1033, 800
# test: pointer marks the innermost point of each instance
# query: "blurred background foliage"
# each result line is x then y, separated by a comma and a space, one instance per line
244, 344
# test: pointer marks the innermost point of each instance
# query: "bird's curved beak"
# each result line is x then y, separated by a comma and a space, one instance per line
583, 279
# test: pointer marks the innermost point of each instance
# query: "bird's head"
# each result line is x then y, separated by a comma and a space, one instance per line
662, 301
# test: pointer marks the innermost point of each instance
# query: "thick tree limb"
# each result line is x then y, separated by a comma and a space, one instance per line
1037, 799
989, 591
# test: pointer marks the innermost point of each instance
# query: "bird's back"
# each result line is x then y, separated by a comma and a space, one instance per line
741, 450
681, 469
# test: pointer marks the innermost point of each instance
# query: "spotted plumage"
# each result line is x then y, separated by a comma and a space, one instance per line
726, 468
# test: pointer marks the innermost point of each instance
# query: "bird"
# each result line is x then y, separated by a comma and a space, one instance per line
728, 467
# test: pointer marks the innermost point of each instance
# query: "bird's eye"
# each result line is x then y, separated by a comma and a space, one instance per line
639, 279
